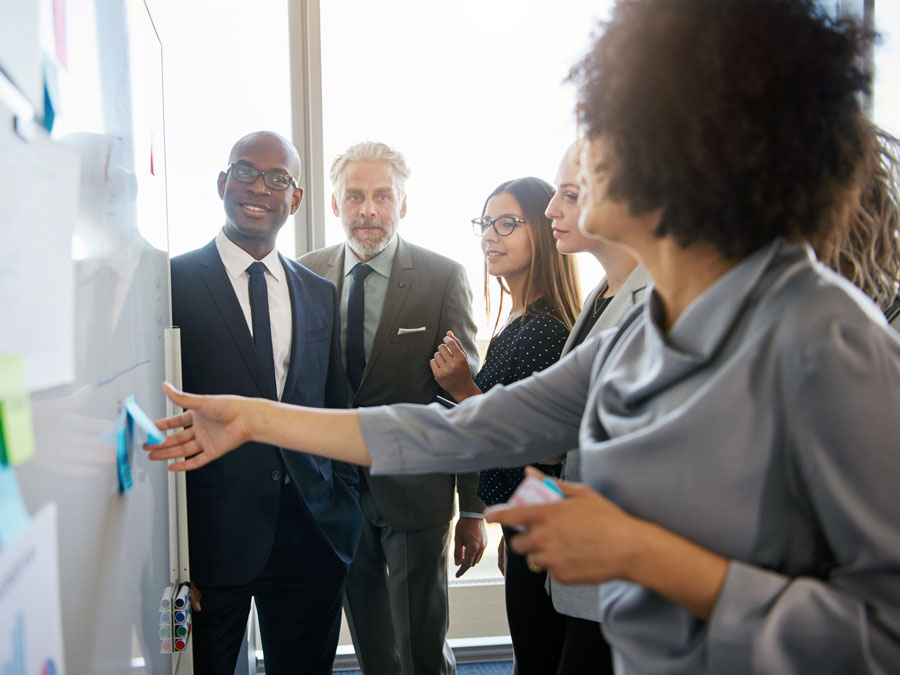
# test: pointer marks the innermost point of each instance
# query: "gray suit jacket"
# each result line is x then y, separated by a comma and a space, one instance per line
633, 291
583, 600
425, 289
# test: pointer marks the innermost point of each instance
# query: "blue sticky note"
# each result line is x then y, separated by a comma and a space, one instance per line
51, 93
13, 515
108, 437
123, 464
139, 417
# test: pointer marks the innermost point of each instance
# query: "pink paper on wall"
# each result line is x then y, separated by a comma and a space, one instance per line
59, 31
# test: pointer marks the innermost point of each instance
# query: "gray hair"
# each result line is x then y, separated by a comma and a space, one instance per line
370, 151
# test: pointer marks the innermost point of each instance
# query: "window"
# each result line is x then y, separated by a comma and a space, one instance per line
213, 96
472, 93
886, 99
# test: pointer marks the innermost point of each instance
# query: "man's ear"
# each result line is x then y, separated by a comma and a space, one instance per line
296, 199
220, 183
334, 206
403, 207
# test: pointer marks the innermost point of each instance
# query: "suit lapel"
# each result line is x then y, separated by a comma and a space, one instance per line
623, 301
335, 270
401, 280
298, 315
582, 316
222, 293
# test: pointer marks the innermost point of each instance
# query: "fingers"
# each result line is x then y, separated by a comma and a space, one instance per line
461, 555
177, 396
195, 598
464, 566
446, 354
477, 557
453, 342
522, 543
517, 516
568, 489
194, 462
172, 441
532, 561
176, 446
175, 422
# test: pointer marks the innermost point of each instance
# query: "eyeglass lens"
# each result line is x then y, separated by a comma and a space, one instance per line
503, 226
273, 179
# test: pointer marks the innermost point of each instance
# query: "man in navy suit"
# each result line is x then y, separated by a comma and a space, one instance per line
280, 527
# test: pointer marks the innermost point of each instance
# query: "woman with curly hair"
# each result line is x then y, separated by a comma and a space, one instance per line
738, 432
867, 250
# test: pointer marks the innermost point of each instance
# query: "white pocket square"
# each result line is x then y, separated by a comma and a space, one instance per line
407, 331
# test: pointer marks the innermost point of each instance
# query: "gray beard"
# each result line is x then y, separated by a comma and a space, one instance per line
368, 247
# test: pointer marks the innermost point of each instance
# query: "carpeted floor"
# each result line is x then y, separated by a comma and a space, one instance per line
489, 668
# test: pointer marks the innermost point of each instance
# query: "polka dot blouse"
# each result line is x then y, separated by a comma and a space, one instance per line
524, 347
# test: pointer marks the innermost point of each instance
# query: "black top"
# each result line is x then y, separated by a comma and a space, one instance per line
525, 346
600, 303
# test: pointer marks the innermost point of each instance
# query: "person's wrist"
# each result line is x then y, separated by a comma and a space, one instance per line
254, 418
639, 553
465, 390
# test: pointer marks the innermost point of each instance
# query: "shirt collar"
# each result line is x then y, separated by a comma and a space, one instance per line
708, 320
237, 260
381, 263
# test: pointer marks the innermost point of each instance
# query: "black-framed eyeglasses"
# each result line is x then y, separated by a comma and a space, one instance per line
273, 179
503, 226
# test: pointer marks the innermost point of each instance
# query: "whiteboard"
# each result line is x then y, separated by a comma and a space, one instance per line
114, 557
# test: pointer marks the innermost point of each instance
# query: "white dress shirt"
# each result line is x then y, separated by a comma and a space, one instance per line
236, 261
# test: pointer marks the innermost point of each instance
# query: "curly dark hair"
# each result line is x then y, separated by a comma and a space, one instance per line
739, 119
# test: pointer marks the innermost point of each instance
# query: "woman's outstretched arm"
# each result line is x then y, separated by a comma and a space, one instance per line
215, 425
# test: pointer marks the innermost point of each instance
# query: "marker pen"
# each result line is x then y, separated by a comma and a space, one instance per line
165, 603
182, 598
181, 631
165, 647
180, 644
165, 632
181, 616
165, 618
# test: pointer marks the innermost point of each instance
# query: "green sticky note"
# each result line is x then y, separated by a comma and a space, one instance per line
3, 460
15, 412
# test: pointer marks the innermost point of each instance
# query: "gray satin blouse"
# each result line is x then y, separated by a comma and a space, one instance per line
764, 426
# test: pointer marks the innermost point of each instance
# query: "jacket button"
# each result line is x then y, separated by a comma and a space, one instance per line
276, 475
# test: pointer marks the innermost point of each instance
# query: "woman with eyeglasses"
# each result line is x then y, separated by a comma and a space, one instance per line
738, 436
543, 289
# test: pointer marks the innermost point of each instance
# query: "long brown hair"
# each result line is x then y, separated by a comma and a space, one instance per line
867, 249
551, 274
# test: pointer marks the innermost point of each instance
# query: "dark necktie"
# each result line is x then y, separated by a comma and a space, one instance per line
259, 313
356, 312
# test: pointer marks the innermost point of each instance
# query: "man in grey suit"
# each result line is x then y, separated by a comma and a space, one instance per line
397, 302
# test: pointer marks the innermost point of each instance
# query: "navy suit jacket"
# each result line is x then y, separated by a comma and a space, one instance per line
233, 501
